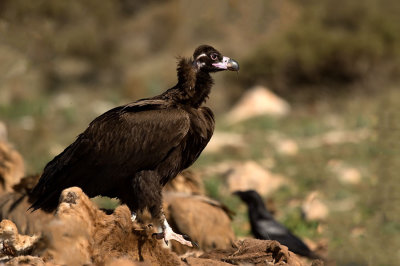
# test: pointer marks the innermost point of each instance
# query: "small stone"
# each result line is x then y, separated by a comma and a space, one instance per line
313, 208
346, 174
250, 175
222, 140
287, 147
258, 101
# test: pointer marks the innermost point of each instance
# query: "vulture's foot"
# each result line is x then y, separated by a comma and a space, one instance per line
171, 235
168, 234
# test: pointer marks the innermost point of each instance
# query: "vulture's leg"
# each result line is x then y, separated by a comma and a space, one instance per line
148, 195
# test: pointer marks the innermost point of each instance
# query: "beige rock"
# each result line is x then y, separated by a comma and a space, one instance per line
27, 260
350, 176
345, 173
222, 168
287, 147
13, 244
282, 144
206, 221
222, 140
314, 208
258, 101
187, 182
12, 167
82, 234
250, 175
3, 132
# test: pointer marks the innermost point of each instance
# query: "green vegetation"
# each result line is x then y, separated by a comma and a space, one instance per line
333, 45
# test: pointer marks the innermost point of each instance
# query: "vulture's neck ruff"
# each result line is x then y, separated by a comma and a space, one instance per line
194, 85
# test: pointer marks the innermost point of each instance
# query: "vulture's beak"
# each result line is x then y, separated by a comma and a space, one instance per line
227, 64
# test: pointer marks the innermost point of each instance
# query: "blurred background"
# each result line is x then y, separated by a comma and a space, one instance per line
312, 120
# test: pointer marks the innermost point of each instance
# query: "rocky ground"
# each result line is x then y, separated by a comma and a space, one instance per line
82, 234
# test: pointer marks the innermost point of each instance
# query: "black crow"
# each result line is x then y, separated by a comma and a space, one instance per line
264, 226
132, 151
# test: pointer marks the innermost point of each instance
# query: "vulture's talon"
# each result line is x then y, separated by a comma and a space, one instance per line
158, 235
169, 234
188, 238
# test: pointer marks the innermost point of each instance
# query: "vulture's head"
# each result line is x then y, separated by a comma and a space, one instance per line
208, 59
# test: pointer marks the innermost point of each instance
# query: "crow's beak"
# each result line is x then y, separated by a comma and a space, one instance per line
237, 193
227, 64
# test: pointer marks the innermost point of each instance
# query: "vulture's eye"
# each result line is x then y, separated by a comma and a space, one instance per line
214, 56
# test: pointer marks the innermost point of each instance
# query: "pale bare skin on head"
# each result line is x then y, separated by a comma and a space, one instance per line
200, 56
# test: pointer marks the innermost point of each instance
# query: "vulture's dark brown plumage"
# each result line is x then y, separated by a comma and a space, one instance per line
132, 151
